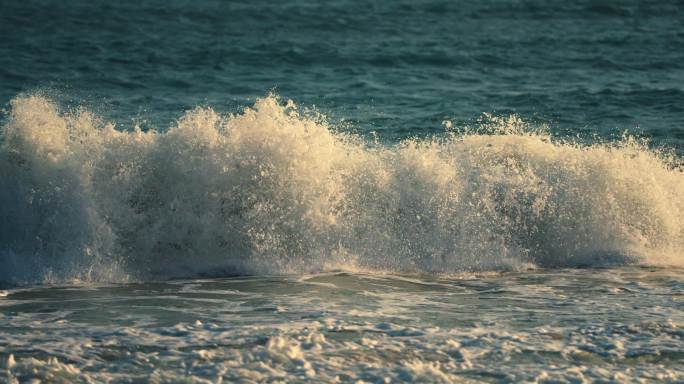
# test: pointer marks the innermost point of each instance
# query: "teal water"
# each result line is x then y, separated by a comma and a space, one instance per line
345, 191
399, 68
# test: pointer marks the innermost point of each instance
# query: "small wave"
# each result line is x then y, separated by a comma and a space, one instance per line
273, 190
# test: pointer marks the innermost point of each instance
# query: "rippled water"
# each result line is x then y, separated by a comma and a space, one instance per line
398, 67
564, 325
405, 191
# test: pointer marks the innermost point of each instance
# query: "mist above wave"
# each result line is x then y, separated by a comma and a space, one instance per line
272, 190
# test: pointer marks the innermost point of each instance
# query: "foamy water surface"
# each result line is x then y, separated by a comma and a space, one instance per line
616, 325
273, 191
438, 260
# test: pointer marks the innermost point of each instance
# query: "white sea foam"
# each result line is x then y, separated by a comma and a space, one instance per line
274, 191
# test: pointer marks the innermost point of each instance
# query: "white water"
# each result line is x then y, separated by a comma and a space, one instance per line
274, 191
619, 325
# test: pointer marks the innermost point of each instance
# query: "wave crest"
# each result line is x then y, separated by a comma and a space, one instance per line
271, 190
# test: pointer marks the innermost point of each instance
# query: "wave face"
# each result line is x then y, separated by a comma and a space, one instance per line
273, 190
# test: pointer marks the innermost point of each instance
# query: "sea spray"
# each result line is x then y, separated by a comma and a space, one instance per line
274, 191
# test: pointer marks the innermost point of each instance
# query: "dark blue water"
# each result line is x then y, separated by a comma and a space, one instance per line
399, 68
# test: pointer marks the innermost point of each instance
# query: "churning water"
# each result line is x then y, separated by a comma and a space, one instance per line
380, 192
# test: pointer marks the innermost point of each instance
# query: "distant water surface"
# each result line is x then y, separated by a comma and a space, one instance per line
397, 67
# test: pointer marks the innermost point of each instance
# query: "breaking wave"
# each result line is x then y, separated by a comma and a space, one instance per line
273, 190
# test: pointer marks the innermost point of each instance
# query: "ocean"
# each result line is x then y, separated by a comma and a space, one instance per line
341, 191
